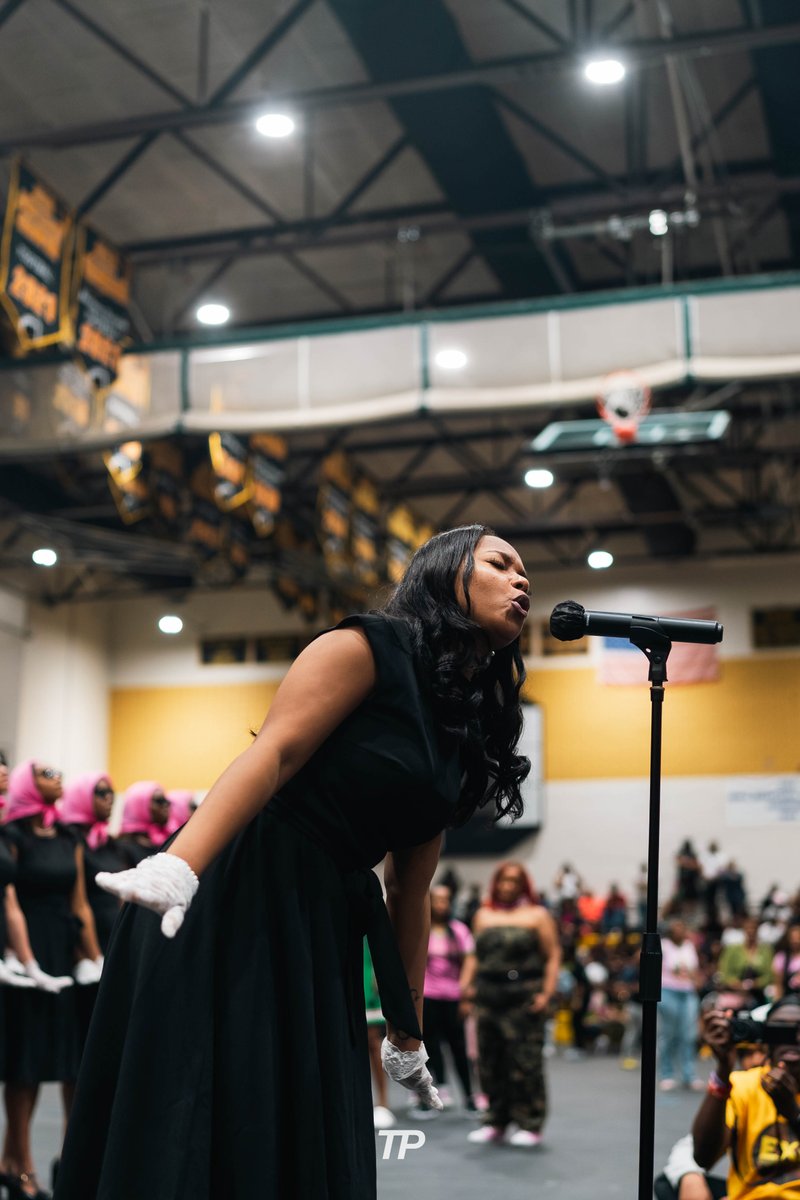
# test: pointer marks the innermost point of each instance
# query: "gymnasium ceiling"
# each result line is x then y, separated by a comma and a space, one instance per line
448, 152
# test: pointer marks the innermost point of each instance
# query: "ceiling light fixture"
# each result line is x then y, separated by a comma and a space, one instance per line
658, 221
44, 557
170, 623
213, 314
275, 125
539, 478
451, 359
604, 71
598, 560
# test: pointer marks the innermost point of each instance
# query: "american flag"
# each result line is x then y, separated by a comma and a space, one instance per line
622, 663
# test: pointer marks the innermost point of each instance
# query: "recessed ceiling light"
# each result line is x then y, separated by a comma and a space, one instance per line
275, 125
451, 359
44, 557
213, 314
604, 71
170, 624
600, 559
539, 478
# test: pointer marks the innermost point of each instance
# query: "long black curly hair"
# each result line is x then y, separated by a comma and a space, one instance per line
475, 698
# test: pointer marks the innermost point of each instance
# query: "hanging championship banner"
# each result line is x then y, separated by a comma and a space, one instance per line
34, 262
232, 488
401, 541
295, 595
102, 290
165, 477
205, 520
127, 482
365, 532
334, 508
266, 472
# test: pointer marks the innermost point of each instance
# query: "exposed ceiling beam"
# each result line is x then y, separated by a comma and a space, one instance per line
638, 53
360, 228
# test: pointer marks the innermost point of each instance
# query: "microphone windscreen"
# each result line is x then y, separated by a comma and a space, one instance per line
568, 621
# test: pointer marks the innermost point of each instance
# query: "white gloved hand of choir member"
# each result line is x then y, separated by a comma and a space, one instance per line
12, 978
163, 882
87, 971
44, 982
407, 1067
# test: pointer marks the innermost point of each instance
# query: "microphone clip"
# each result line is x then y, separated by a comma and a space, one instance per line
655, 645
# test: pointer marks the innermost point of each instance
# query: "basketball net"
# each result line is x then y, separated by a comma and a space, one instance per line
623, 402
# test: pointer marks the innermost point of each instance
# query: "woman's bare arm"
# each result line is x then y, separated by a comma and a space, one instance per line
17, 926
327, 682
82, 910
408, 876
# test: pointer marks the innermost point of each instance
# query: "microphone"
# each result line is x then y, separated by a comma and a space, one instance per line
570, 621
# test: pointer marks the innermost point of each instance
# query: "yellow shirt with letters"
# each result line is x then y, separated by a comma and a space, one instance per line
764, 1150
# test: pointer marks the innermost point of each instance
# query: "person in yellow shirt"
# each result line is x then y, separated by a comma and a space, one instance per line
755, 1114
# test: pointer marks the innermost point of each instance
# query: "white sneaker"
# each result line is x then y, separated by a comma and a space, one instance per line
445, 1097
486, 1134
525, 1137
383, 1118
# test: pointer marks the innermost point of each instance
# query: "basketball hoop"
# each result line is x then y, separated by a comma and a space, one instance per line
623, 402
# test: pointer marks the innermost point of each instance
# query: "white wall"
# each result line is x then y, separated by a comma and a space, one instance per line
63, 692
601, 828
13, 632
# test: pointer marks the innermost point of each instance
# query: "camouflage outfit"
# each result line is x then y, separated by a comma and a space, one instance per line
510, 1036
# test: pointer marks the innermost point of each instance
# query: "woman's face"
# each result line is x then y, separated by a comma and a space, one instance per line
793, 938
48, 783
750, 928
159, 808
440, 903
677, 932
103, 799
3, 779
498, 591
509, 885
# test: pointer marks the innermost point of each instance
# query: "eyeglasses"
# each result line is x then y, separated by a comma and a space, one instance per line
100, 792
161, 800
49, 772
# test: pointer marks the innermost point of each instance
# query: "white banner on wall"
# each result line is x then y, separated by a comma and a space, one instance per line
760, 802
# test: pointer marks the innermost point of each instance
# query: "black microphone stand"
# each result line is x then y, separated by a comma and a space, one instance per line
656, 646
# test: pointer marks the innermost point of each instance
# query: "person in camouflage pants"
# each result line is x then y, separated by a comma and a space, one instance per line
517, 962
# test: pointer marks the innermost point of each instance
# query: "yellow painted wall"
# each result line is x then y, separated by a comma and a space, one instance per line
748, 722
182, 736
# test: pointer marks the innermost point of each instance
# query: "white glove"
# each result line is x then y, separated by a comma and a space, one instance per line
163, 882
44, 982
87, 972
407, 1067
14, 978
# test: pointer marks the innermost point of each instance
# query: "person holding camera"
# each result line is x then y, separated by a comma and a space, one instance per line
755, 1114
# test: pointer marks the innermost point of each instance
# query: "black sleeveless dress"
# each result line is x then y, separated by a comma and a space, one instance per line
42, 1043
232, 1061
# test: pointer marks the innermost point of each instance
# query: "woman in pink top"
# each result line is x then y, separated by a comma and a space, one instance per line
450, 948
786, 963
679, 1009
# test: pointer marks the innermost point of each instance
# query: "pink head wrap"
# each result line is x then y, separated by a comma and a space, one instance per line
180, 802
136, 817
24, 797
77, 807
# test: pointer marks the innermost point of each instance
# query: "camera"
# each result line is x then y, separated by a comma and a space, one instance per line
747, 1031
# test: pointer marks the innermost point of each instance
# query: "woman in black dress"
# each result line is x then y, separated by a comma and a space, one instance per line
42, 1032
85, 810
384, 731
145, 816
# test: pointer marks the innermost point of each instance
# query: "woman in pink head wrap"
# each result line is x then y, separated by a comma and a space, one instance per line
145, 819
85, 810
42, 1042
181, 807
